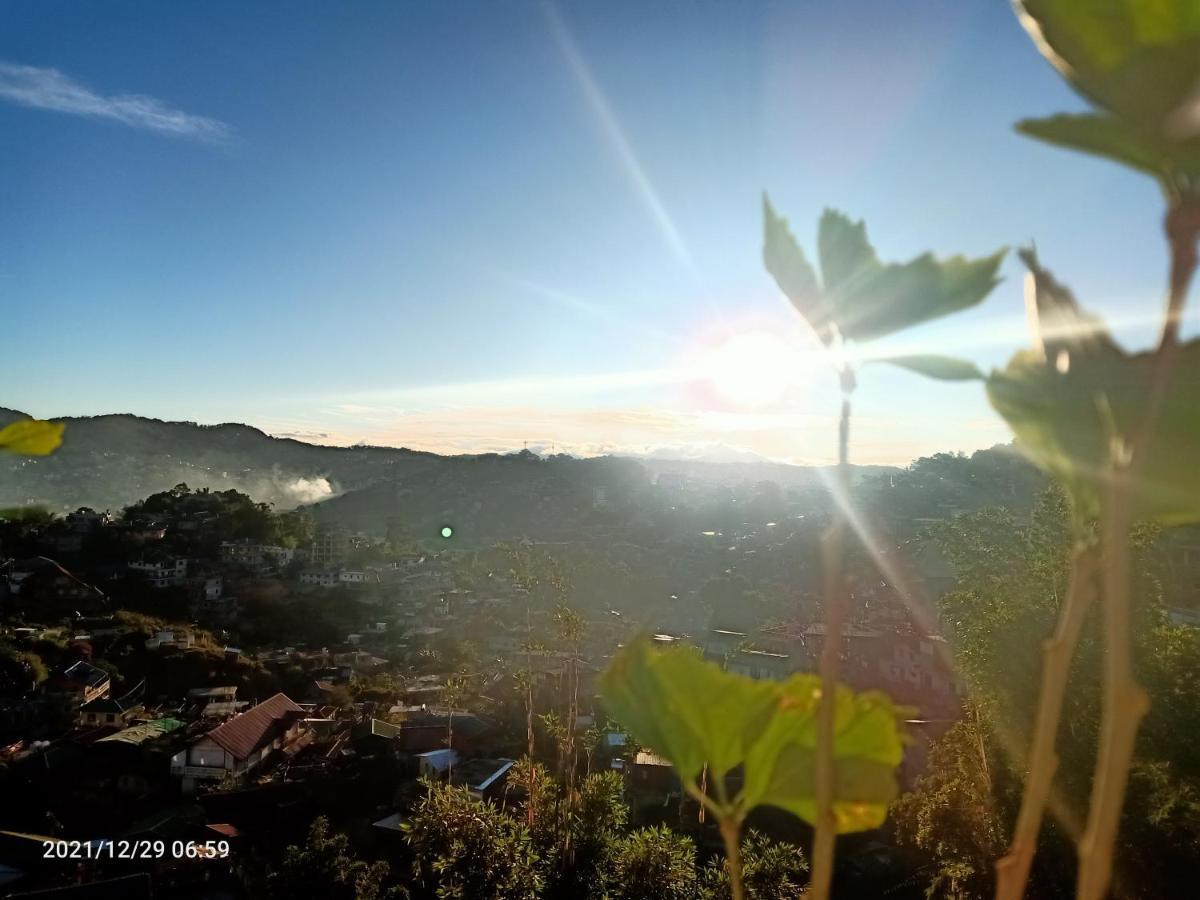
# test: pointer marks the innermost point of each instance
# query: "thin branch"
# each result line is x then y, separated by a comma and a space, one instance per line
1012, 872
833, 565
1125, 702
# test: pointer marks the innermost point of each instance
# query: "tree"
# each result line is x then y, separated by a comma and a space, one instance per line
1012, 578
20, 670
596, 824
652, 863
468, 850
952, 821
771, 870
324, 867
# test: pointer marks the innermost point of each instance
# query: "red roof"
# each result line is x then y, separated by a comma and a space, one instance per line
257, 726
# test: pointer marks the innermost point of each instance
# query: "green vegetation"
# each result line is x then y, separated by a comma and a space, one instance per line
1004, 603
709, 722
1109, 426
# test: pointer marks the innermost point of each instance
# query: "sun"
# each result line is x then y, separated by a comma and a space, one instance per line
752, 368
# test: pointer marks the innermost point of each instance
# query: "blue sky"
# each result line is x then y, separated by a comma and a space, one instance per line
465, 226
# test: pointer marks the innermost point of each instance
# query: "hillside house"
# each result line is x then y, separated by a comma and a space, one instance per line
160, 573
240, 745
80, 683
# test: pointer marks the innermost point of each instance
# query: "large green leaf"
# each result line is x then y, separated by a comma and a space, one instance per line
1067, 399
31, 437
1137, 59
859, 297
692, 712
868, 746
686, 709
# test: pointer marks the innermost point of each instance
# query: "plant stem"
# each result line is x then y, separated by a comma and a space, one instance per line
1125, 702
833, 565
731, 834
1012, 872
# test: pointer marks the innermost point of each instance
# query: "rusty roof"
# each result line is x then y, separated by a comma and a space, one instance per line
244, 734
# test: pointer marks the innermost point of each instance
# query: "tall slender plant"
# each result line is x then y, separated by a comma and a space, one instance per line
857, 299
1108, 424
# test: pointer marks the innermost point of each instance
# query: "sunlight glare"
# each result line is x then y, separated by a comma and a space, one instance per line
754, 368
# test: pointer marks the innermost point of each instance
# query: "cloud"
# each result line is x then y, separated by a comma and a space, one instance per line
40, 88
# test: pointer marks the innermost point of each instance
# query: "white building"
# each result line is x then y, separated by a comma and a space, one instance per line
161, 573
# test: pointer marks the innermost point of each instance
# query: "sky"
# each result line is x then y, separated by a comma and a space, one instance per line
469, 227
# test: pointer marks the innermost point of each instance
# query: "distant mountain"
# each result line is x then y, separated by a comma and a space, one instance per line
108, 462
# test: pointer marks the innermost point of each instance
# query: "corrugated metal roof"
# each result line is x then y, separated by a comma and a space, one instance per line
244, 734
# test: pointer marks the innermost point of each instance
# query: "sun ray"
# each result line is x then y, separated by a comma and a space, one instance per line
616, 137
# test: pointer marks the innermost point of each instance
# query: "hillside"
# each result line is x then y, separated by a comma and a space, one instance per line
110, 461
107, 462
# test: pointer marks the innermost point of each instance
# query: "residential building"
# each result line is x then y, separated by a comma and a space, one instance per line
240, 745
81, 683
255, 555
161, 573
329, 547
319, 577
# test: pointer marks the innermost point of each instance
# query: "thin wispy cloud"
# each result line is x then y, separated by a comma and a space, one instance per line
50, 89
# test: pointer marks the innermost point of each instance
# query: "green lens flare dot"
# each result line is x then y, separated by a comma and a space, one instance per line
447, 531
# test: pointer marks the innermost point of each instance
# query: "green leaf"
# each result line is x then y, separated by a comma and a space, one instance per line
792, 271
946, 368
686, 709
1065, 399
692, 712
862, 298
868, 746
1137, 59
31, 437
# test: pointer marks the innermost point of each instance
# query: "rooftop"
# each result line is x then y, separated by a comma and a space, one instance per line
244, 734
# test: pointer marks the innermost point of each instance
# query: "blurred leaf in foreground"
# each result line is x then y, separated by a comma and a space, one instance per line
31, 437
1139, 63
1071, 396
859, 297
692, 712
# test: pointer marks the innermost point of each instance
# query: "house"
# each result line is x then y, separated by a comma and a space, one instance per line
484, 778
373, 737
105, 711
652, 773
254, 555
178, 638
329, 547
43, 579
216, 702
319, 577
436, 762
81, 683
86, 520
242, 744
424, 729
160, 573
